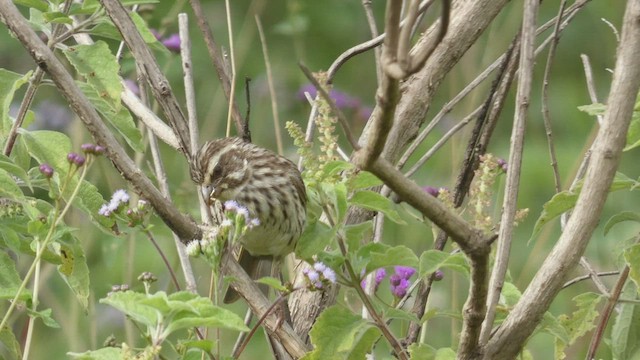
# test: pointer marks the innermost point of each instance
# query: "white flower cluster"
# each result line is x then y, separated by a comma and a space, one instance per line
232, 206
319, 275
118, 198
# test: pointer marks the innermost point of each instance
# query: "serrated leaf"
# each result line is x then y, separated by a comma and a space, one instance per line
10, 280
337, 334
620, 217
108, 353
100, 68
315, 238
551, 325
397, 255
418, 351
371, 200
581, 321
445, 354
205, 345
510, 294
632, 257
10, 82
625, 333
128, 302
633, 134
91, 6
74, 269
9, 343
57, 17
363, 256
121, 120
432, 260
335, 167
272, 283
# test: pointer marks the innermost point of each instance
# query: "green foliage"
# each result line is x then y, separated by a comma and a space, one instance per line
633, 134
340, 334
10, 82
432, 260
580, 322
632, 257
625, 333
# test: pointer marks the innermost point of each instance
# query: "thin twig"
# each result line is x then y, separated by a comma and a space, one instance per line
591, 88
232, 95
187, 73
594, 276
246, 129
545, 97
587, 277
217, 59
238, 351
272, 90
373, 29
164, 259
527, 59
341, 117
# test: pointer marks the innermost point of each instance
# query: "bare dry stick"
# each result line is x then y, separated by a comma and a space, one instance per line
148, 65
528, 312
545, 97
515, 163
591, 88
272, 90
232, 52
217, 59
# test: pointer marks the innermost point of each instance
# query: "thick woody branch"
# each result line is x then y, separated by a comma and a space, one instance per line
149, 67
607, 149
185, 227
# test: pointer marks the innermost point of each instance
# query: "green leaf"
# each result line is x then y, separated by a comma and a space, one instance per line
432, 260
397, 255
129, 302
354, 234
633, 134
10, 82
10, 280
45, 316
362, 257
362, 180
8, 186
418, 351
551, 325
205, 345
121, 120
10, 344
593, 109
91, 6
37, 4
632, 257
371, 200
625, 333
620, 217
74, 269
336, 167
108, 353
340, 202
445, 354
100, 69
315, 238
559, 204
11, 167
272, 283
57, 17
337, 334
581, 321
510, 294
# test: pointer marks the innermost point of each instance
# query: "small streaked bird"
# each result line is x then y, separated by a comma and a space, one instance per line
268, 185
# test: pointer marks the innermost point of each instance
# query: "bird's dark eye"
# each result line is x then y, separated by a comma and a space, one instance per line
217, 171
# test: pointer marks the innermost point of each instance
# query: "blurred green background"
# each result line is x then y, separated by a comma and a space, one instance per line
315, 33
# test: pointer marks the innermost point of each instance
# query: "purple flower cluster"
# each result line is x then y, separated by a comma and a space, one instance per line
319, 275
399, 280
502, 164
341, 99
232, 206
76, 159
118, 198
172, 42
46, 170
433, 191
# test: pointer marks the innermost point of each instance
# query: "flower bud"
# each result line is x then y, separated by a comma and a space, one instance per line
46, 170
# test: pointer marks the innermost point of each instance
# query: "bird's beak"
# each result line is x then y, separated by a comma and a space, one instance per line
207, 193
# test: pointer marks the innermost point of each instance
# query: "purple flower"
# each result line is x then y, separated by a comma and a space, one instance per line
329, 275
71, 157
503, 164
405, 272
88, 148
433, 191
133, 86
172, 42
46, 170
342, 100
380, 275
395, 280
99, 150
320, 267
400, 290
79, 160
438, 275
313, 276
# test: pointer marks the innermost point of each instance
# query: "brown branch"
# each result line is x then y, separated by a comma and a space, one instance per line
149, 68
535, 301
